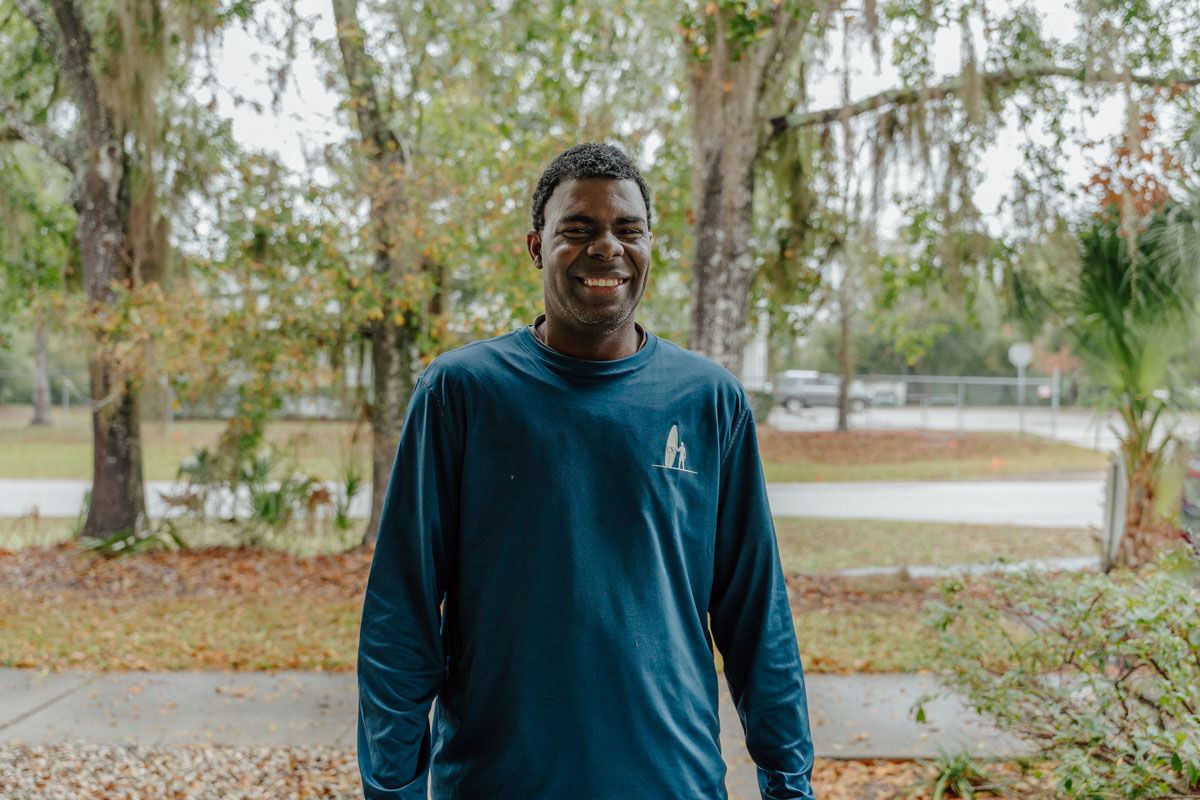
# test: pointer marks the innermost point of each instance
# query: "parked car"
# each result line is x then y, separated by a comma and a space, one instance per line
800, 388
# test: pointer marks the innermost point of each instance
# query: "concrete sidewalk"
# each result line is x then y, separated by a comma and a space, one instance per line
1042, 504
1048, 504
853, 716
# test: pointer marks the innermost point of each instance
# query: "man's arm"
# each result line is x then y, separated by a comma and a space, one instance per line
752, 626
400, 659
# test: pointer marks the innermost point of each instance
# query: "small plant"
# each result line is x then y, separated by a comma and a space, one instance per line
256, 491
140, 540
1100, 673
958, 775
81, 519
352, 478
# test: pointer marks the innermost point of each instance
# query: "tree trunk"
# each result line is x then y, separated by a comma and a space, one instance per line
392, 355
1142, 538
728, 132
41, 377
118, 501
392, 364
725, 145
845, 357
723, 268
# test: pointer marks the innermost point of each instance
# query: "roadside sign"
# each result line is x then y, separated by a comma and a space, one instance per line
1020, 355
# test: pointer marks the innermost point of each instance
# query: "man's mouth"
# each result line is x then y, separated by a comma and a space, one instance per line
603, 282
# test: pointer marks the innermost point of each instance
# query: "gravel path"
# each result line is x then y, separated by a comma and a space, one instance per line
194, 772
107, 772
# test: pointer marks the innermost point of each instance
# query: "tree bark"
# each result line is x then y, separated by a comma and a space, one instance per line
723, 268
845, 357
41, 377
118, 501
392, 365
723, 105
1143, 537
727, 92
392, 340
102, 205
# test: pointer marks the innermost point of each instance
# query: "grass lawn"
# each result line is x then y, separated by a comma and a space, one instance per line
64, 450
808, 456
822, 545
805, 545
299, 538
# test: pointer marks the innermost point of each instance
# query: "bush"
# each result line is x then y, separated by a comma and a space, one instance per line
761, 404
1101, 673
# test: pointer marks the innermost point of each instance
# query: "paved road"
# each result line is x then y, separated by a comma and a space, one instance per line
853, 716
1051, 504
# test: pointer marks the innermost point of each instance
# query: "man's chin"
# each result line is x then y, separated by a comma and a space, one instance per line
602, 324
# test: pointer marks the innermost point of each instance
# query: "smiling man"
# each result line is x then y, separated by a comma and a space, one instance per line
576, 514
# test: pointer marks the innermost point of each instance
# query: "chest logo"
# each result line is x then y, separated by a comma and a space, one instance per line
676, 455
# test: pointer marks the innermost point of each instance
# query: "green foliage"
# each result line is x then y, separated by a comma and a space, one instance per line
1101, 673
1122, 312
957, 774
481, 106
36, 239
924, 337
761, 404
162, 536
256, 488
81, 518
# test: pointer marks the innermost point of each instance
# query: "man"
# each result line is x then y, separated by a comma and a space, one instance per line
551, 573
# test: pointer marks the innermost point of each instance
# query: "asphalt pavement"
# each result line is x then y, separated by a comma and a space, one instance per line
1049, 504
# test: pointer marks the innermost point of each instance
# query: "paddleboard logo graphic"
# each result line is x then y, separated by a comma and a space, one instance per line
676, 455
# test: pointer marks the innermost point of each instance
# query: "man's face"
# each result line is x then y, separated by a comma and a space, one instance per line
594, 251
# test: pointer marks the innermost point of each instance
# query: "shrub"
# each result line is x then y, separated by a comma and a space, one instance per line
1100, 673
761, 403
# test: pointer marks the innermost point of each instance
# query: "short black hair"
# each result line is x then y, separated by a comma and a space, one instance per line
589, 160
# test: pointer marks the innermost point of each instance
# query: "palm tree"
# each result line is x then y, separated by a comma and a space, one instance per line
1127, 315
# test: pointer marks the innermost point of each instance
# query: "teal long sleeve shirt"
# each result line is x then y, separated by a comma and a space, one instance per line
562, 543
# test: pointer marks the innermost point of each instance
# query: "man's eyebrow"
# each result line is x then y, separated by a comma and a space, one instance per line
587, 220
584, 218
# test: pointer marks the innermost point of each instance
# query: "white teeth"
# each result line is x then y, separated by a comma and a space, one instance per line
603, 281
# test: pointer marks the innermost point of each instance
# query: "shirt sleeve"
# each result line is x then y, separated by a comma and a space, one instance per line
752, 626
400, 659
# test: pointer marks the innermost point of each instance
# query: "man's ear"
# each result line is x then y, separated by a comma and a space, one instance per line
533, 242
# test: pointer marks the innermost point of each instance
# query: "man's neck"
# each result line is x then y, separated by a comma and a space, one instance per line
619, 344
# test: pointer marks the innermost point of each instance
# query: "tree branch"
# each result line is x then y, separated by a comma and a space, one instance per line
74, 62
991, 80
13, 128
47, 31
360, 70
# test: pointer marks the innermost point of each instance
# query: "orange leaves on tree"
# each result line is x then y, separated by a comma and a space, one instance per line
1136, 182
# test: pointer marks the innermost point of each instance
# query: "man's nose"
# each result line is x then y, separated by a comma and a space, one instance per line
605, 247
